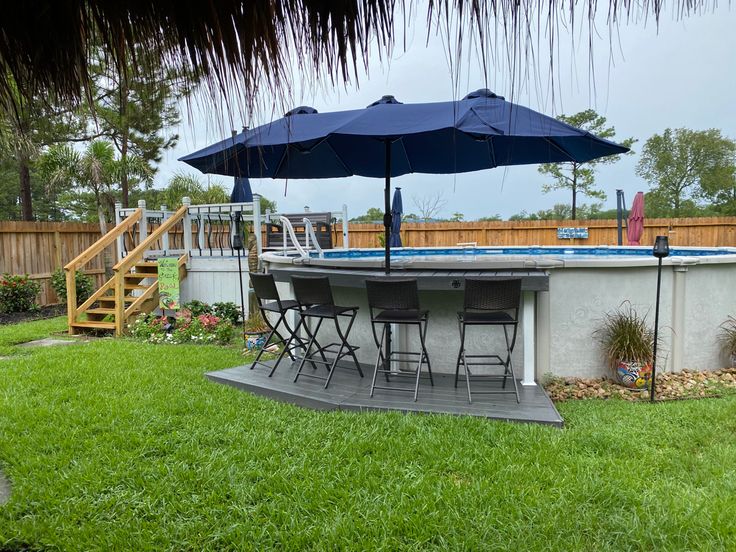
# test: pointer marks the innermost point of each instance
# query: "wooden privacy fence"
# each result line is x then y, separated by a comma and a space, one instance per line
703, 232
39, 248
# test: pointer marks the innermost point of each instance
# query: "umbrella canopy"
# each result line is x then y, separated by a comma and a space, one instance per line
389, 139
241, 191
635, 222
397, 209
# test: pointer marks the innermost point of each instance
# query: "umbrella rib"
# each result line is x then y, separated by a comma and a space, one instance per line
337, 156
559, 148
406, 154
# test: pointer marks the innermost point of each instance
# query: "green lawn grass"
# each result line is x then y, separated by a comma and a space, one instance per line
116, 445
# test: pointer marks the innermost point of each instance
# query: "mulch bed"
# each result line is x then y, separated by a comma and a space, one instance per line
50, 311
685, 385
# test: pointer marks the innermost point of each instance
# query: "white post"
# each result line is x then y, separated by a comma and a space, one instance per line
187, 227
528, 337
257, 226
165, 237
143, 226
345, 240
268, 216
678, 319
118, 220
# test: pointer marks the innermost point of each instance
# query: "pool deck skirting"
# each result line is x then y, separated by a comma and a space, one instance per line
348, 391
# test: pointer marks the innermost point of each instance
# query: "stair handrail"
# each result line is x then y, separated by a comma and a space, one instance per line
309, 231
288, 228
96, 248
137, 254
88, 254
134, 256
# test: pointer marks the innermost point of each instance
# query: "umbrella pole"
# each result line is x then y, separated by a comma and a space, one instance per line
387, 209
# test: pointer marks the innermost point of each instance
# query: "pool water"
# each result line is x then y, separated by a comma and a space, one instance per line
432, 253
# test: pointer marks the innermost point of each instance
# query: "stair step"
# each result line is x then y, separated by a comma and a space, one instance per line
100, 311
95, 325
136, 286
127, 298
140, 275
147, 264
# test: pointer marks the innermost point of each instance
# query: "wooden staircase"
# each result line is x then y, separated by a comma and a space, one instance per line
140, 296
132, 290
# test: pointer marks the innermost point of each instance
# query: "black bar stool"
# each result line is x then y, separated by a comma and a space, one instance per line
314, 297
396, 301
490, 303
269, 301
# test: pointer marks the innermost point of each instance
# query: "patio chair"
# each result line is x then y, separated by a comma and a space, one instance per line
269, 302
314, 296
396, 301
489, 303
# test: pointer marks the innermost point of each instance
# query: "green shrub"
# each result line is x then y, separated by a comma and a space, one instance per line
18, 293
227, 311
85, 285
197, 308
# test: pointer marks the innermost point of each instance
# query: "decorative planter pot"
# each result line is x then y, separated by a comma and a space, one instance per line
255, 340
633, 375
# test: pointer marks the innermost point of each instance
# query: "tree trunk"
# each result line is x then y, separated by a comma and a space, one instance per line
26, 204
124, 138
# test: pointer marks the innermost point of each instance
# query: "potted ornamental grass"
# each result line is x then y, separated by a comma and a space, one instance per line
255, 330
628, 344
727, 338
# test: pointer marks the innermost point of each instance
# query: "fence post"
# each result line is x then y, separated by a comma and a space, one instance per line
345, 239
257, 226
119, 239
187, 227
143, 225
165, 237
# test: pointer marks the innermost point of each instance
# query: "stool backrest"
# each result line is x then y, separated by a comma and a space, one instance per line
264, 286
312, 291
483, 294
395, 294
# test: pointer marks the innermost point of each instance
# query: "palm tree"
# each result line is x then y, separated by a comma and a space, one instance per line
95, 170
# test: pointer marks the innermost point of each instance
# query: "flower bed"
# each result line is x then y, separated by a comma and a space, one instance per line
183, 328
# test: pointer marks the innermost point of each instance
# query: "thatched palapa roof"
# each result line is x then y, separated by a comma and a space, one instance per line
45, 45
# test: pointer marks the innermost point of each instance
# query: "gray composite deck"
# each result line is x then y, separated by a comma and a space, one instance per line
348, 391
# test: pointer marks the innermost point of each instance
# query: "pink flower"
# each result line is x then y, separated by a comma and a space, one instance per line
208, 321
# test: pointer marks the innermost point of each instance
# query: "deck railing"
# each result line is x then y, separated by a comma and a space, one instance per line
203, 230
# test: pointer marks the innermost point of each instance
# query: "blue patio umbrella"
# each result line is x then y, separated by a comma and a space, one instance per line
389, 139
397, 209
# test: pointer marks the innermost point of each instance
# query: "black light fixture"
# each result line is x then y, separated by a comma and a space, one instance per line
661, 250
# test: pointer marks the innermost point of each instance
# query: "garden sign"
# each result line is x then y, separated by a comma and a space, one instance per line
168, 283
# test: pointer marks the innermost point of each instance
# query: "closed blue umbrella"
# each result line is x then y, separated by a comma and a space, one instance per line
389, 139
241, 191
397, 209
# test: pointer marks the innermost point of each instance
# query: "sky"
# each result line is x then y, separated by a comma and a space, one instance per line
645, 79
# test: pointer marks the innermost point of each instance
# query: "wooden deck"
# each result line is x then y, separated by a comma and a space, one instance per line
348, 391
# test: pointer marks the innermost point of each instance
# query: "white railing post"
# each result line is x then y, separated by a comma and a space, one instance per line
257, 226
119, 239
143, 225
187, 222
345, 238
165, 237
268, 216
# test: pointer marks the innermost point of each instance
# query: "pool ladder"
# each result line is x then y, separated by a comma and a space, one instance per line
310, 235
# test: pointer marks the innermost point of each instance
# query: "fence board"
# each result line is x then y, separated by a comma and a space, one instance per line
39, 248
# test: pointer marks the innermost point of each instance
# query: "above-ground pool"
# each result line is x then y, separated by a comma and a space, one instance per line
521, 257
566, 293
